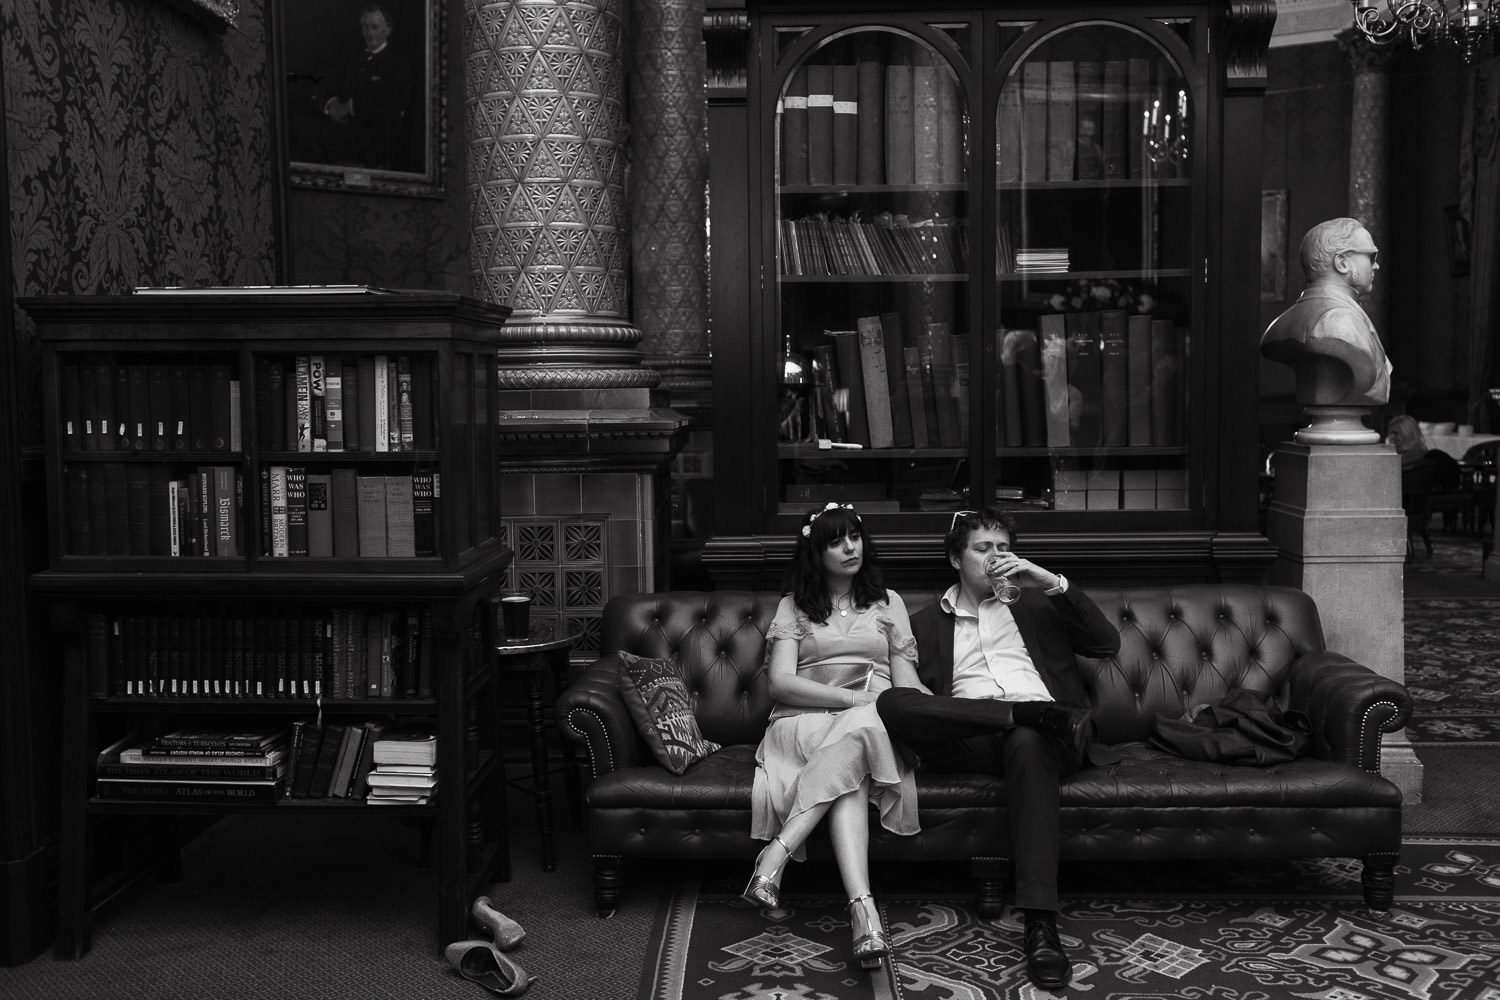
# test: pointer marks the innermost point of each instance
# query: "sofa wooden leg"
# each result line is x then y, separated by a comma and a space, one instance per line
1379, 878
989, 885
608, 869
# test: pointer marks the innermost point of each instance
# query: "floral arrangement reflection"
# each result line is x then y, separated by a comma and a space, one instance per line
1088, 294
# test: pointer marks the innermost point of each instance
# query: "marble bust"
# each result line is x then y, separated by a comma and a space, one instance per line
1327, 338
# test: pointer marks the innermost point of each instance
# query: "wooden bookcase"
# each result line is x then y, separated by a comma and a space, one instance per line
1012, 249
226, 633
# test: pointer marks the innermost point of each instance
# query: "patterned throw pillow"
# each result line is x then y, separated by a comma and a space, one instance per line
663, 711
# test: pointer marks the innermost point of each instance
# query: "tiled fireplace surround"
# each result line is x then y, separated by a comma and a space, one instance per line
579, 538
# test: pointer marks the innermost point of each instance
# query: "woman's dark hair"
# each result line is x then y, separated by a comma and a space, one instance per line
805, 578
977, 520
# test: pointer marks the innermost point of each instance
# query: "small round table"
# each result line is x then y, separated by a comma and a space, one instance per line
538, 656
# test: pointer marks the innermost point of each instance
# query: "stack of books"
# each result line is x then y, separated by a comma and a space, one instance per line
331, 761
196, 766
405, 770
1042, 260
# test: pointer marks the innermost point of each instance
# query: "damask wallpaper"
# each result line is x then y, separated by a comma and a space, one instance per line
139, 149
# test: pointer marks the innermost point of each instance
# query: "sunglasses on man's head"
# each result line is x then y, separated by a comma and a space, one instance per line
958, 514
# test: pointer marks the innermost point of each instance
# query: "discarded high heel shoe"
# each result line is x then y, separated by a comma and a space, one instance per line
765, 890
870, 943
483, 963
506, 932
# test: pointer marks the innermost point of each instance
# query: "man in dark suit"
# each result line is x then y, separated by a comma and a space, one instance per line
1006, 698
374, 97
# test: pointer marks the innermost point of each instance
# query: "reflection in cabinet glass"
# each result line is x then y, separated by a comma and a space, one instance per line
873, 267
1093, 260
989, 262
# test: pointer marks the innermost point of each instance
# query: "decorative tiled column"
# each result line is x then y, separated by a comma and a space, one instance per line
585, 445
668, 218
1369, 146
668, 196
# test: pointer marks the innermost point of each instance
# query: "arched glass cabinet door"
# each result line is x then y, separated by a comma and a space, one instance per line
873, 297
1094, 269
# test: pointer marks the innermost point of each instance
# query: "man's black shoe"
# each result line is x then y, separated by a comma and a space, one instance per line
1047, 965
1072, 728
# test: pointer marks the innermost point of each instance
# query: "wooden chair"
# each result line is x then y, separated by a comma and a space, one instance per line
1480, 461
1434, 485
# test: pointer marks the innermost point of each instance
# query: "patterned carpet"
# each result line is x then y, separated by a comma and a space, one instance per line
1273, 930
1453, 671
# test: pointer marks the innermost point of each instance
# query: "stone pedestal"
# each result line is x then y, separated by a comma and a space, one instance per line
1340, 534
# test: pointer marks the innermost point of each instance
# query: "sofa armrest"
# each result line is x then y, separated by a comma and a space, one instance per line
592, 712
1349, 706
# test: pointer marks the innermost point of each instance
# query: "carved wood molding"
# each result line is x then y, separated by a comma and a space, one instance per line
1247, 37
726, 37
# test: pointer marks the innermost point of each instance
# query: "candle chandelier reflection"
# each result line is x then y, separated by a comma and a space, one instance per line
1164, 129
1468, 25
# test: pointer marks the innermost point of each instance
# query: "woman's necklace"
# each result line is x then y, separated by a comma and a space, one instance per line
844, 609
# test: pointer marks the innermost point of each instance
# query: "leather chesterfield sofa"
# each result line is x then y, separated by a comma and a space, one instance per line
1181, 647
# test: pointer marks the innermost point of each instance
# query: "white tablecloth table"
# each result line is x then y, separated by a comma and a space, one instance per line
1457, 444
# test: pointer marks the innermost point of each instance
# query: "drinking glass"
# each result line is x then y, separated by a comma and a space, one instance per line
1006, 590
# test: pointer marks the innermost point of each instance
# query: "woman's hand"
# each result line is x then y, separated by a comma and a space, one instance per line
863, 698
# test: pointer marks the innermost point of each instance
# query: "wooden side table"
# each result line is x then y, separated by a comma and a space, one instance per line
537, 657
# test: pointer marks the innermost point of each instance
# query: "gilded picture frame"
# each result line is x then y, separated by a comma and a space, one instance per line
1458, 241
363, 95
1273, 248
220, 15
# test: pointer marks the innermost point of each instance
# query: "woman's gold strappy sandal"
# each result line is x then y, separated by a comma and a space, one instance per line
870, 943
765, 890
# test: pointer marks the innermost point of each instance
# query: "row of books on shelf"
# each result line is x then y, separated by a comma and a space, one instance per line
344, 514
377, 761
129, 509
371, 403
881, 387
133, 509
1102, 378
148, 407
824, 244
344, 653
872, 121
1087, 119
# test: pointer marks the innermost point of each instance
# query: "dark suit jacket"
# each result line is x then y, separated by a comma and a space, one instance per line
1055, 629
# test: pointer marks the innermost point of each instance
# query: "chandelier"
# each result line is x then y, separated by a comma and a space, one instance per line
1464, 24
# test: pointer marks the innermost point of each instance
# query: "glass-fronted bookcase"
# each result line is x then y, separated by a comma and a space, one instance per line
991, 251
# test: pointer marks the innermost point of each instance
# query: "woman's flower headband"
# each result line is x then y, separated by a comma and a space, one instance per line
807, 528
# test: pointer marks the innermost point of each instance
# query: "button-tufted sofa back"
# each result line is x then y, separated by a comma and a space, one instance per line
1179, 647
1192, 645
719, 637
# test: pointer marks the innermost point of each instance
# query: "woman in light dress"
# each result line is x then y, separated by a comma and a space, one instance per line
838, 639
1405, 435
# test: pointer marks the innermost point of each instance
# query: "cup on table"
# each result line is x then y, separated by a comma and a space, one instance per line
515, 616
1465, 430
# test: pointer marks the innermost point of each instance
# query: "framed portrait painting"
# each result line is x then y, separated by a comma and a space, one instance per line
1273, 248
362, 94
